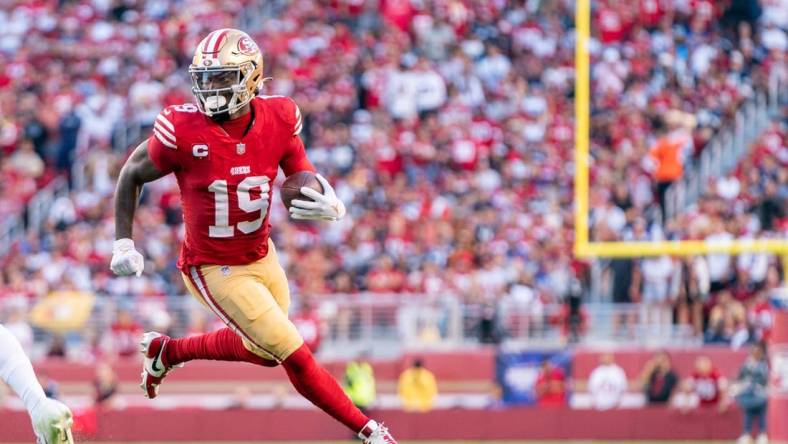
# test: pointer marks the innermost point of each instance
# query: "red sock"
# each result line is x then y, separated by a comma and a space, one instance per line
314, 383
221, 345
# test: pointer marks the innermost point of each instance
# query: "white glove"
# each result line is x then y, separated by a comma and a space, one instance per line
125, 259
324, 206
52, 422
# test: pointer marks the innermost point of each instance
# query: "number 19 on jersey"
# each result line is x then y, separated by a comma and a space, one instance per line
222, 227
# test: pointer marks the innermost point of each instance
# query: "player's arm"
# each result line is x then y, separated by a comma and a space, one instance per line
138, 170
322, 206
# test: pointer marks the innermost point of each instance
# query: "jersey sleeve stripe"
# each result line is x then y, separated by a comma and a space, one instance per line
299, 122
164, 132
163, 140
164, 121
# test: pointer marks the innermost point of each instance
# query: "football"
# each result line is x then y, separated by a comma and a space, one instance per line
291, 188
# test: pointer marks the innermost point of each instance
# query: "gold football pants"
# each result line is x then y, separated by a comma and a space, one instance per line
252, 300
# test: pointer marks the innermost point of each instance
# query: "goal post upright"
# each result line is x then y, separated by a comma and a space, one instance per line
582, 111
587, 249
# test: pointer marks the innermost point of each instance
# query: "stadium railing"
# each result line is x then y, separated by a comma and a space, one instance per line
721, 154
13, 226
388, 324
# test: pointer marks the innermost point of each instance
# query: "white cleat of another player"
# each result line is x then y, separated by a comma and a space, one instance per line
154, 365
374, 433
52, 422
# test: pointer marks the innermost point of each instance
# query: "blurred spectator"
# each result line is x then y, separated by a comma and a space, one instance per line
657, 291
550, 385
488, 325
727, 321
708, 383
417, 388
693, 292
50, 386
760, 317
26, 162
771, 207
608, 383
685, 399
750, 393
574, 317
658, 379
384, 278
359, 384
125, 335
624, 291
241, 398
672, 147
57, 347
16, 324
105, 386
309, 325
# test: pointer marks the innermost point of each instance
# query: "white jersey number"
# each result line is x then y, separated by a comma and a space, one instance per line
222, 227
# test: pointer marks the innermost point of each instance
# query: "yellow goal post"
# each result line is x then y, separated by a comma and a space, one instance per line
582, 246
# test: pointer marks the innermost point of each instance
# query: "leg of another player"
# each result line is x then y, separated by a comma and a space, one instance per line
51, 419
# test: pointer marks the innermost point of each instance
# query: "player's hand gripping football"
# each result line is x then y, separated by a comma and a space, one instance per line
126, 260
324, 206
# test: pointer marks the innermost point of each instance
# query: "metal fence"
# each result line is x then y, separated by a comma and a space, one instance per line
723, 152
384, 325
13, 226
720, 155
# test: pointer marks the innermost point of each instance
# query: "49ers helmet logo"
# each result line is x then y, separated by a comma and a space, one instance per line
247, 46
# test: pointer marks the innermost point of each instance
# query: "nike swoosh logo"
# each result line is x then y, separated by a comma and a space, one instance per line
154, 365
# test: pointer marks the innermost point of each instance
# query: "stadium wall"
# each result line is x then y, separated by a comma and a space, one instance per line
187, 425
458, 370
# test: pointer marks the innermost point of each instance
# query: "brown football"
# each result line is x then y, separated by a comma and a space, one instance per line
291, 188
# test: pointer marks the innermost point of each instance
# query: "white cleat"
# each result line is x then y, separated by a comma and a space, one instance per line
154, 365
762, 439
374, 433
744, 439
52, 422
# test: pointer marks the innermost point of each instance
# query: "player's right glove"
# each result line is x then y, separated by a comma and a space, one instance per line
325, 206
125, 259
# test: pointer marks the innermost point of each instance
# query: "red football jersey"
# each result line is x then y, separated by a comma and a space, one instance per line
225, 182
707, 387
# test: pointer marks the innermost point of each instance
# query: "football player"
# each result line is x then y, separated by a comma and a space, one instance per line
225, 152
51, 419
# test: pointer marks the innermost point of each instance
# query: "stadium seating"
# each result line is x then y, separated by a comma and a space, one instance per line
463, 189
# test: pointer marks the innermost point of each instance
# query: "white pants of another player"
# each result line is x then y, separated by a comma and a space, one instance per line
51, 419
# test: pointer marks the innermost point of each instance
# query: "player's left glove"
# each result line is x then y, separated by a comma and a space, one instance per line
326, 206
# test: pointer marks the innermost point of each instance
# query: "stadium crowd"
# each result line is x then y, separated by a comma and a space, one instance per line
447, 127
